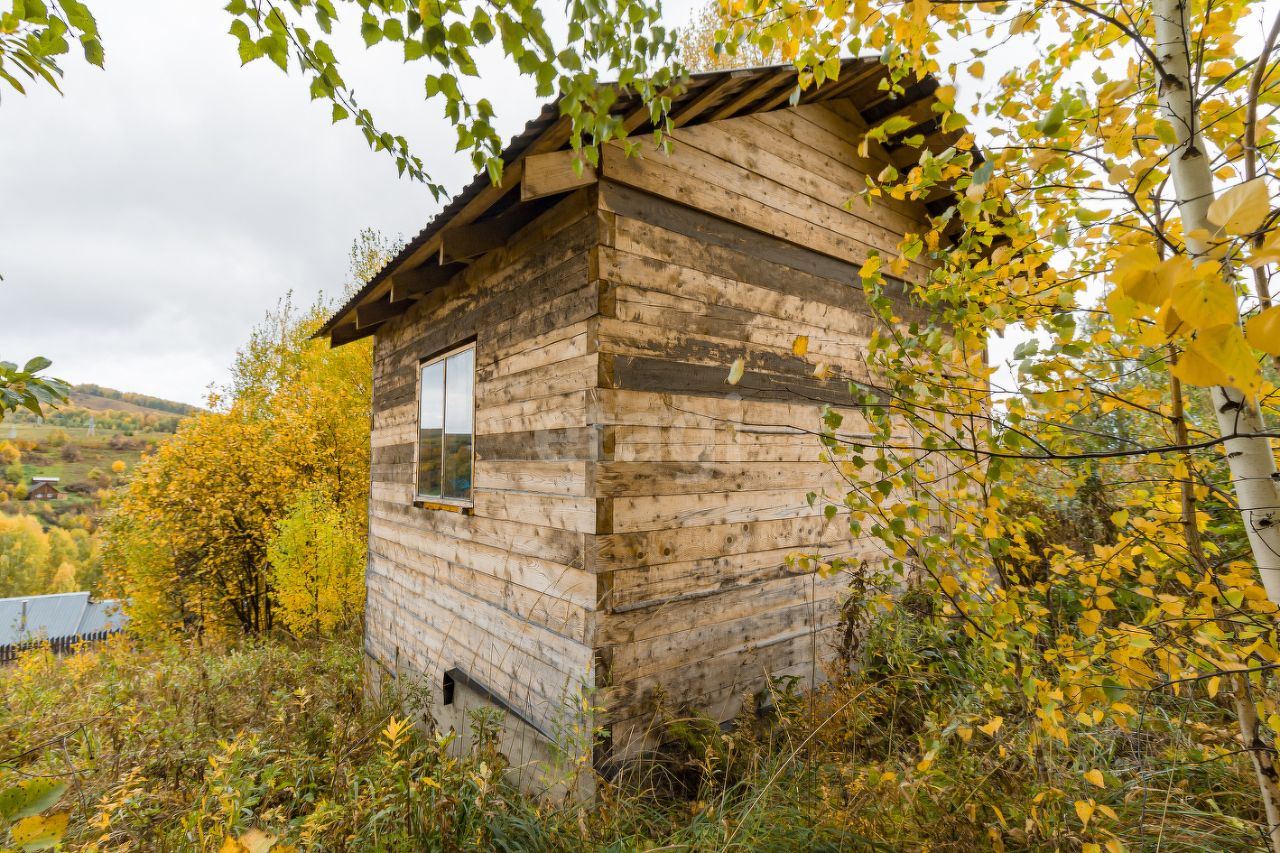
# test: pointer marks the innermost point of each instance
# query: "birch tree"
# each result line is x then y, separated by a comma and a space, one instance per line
1113, 207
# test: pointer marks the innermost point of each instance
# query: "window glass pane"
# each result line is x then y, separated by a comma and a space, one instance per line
459, 416
430, 429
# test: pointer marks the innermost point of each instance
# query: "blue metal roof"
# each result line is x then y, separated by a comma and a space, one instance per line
53, 617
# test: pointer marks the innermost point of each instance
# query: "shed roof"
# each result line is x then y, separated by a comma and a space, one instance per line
53, 617
708, 96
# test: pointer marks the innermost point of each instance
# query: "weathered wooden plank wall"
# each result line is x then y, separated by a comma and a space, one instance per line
735, 244
501, 593
632, 511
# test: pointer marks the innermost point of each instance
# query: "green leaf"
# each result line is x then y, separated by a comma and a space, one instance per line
36, 364
29, 798
79, 17
1052, 123
93, 52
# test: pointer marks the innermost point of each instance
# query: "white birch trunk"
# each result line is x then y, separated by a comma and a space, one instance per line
1251, 460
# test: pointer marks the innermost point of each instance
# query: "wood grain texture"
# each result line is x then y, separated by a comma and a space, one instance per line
636, 517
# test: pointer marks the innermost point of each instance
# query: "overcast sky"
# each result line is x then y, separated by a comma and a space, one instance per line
152, 214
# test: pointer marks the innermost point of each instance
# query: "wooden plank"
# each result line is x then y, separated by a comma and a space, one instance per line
704, 181
571, 443
654, 176
647, 586
347, 332
554, 173
631, 479
562, 477
373, 313
661, 375
554, 545
752, 94
708, 97
464, 242
530, 574
558, 512
755, 146
664, 512
419, 281
550, 608
616, 551
559, 377
681, 237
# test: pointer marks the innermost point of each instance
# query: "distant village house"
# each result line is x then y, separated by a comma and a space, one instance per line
43, 489
62, 619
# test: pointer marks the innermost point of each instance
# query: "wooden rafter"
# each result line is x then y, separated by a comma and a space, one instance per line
417, 282
707, 98
752, 94
379, 311
553, 173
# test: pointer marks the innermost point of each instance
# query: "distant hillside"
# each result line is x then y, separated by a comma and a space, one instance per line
101, 399
107, 410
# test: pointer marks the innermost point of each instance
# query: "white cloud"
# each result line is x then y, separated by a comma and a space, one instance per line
150, 216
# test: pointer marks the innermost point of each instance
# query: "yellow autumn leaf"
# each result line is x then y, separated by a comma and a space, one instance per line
1085, 810
977, 69
39, 832
1135, 273
1241, 209
1204, 301
822, 371
257, 841
870, 268
991, 727
1170, 322
1263, 331
1267, 253
1089, 622
1219, 356
736, 370
1095, 777
949, 585
1212, 686
800, 345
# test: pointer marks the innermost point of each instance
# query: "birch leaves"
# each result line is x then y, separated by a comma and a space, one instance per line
1196, 305
1193, 305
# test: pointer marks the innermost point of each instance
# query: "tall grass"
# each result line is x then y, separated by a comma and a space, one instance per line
178, 747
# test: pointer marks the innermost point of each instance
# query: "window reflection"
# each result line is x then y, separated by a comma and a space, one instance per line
430, 429
459, 409
446, 426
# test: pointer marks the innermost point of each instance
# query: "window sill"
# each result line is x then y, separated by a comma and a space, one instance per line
445, 506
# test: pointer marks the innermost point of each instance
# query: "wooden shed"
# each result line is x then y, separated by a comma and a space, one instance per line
567, 495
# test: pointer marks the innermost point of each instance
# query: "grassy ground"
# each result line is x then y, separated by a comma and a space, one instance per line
179, 746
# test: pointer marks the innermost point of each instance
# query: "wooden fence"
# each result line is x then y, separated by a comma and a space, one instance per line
59, 645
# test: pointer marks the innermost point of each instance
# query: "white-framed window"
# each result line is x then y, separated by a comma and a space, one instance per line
446, 426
